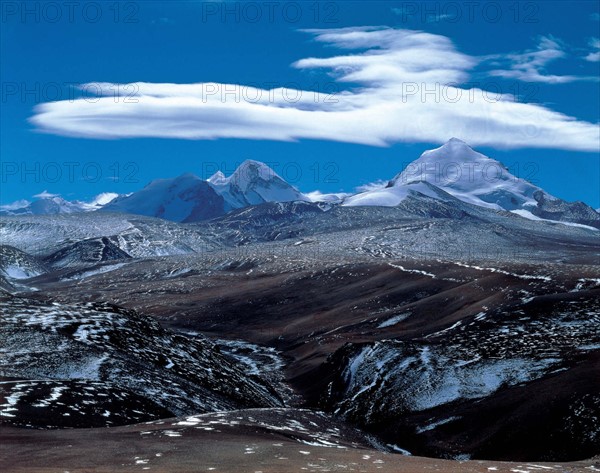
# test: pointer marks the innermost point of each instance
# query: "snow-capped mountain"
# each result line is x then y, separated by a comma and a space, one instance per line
456, 170
253, 183
57, 205
451, 173
186, 198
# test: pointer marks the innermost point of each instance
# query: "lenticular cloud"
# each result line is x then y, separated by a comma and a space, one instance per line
394, 85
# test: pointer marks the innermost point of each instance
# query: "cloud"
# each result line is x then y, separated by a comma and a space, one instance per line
594, 56
394, 56
318, 196
396, 85
45, 195
372, 186
18, 204
530, 66
103, 198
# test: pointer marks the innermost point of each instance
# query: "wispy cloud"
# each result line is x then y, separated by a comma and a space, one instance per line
372, 186
397, 85
45, 195
318, 196
530, 66
594, 56
18, 204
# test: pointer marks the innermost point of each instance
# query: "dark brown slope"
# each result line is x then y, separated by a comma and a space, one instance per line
235, 442
320, 316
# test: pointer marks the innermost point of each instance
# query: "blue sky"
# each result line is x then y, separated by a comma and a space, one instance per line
370, 120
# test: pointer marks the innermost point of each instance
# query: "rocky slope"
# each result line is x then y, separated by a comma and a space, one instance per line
99, 365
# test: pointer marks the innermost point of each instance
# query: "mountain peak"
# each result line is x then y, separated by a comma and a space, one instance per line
456, 140
458, 170
253, 183
251, 170
217, 178
454, 149
253, 163
187, 176
183, 198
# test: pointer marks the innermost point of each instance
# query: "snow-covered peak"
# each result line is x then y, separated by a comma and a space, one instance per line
462, 172
185, 198
254, 183
251, 172
56, 205
53, 205
454, 163
453, 149
455, 170
217, 178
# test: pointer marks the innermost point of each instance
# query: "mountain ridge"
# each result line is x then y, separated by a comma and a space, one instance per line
453, 169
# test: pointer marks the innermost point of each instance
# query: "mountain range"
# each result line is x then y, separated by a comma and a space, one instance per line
427, 313
452, 171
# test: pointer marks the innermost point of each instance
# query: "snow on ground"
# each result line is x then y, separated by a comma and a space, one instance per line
528, 215
394, 320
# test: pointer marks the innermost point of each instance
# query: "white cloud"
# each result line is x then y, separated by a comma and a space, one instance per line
372, 186
403, 86
18, 204
103, 198
318, 196
45, 195
530, 66
594, 56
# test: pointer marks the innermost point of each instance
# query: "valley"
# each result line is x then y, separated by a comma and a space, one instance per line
431, 333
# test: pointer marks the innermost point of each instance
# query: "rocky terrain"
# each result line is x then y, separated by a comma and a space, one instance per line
314, 335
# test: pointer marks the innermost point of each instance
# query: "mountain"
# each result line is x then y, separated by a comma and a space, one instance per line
17, 264
56, 205
86, 252
97, 237
186, 198
455, 169
97, 364
440, 327
451, 173
253, 183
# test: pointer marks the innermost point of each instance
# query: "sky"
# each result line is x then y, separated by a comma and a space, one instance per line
105, 97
